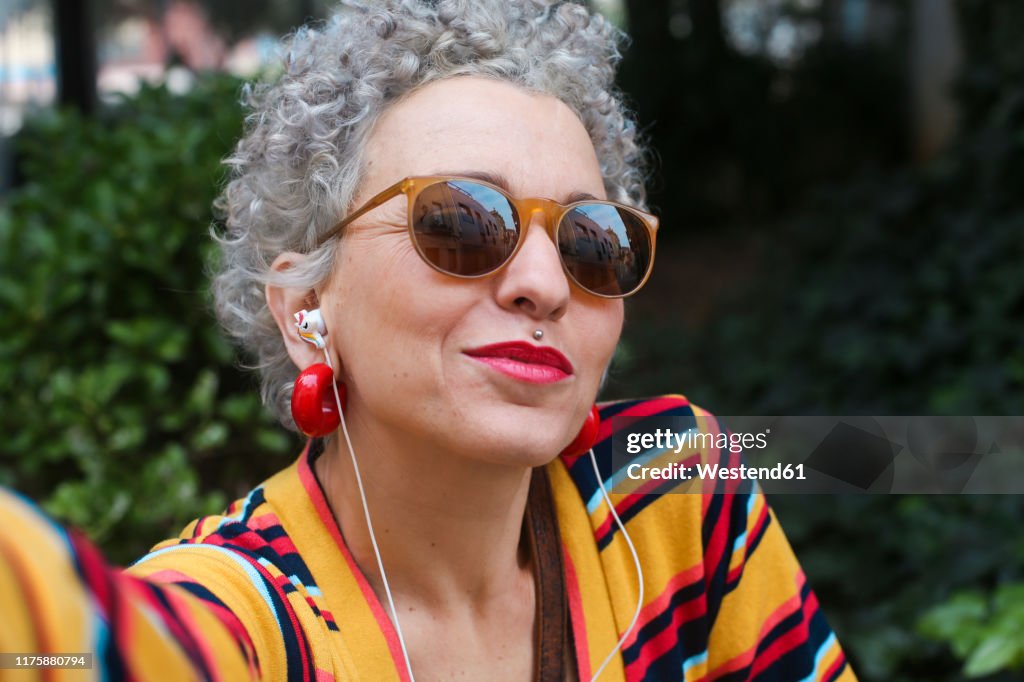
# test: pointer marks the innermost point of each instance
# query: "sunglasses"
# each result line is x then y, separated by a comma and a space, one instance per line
471, 228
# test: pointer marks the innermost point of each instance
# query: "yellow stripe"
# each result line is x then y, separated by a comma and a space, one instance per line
360, 652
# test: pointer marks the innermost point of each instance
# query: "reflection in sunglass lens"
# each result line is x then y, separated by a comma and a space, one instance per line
605, 249
464, 228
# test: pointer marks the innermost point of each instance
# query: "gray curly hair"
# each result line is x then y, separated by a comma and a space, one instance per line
298, 165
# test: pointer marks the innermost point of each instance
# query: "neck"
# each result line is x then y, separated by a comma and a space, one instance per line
449, 529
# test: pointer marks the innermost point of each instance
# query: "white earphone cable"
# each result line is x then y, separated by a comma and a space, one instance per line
369, 525
636, 562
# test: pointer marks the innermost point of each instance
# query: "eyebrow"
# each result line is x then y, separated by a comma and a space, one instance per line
499, 180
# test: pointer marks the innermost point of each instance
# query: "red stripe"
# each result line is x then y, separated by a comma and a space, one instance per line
187, 621
238, 632
175, 617
656, 646
93, 569
123, 627
290, 611
283, 545
99, 578
787, 642
579, 626
655, 607
762, 519
734, 574
645, 408
757, 530
742, 660
833, 670
705, 504
263, 521
715, 547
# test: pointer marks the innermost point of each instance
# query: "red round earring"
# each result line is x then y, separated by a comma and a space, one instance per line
587, 436
313, 406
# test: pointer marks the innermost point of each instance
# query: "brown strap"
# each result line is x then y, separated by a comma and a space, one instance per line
552, 606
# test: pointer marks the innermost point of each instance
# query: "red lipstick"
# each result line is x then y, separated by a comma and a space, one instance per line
523, 361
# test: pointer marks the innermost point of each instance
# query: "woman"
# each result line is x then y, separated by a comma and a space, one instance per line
419, 226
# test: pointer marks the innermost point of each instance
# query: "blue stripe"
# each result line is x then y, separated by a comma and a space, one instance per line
825, 646
244, 512
102, 642
696, 659
741, 540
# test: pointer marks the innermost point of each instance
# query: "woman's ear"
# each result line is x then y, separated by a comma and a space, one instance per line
284, 302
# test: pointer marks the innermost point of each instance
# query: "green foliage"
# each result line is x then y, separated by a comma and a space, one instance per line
987, 635
740, 137
120, 404
897, 292
878, 563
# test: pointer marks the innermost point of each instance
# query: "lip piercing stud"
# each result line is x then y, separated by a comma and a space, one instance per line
538, 334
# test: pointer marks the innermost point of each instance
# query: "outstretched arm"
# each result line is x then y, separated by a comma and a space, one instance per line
58, 596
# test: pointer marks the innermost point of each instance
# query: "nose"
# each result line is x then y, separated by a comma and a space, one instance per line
534, 282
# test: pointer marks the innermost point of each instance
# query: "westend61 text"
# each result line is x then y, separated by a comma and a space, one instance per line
717, 472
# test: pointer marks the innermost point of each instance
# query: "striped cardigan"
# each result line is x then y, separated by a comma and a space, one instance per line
269, 590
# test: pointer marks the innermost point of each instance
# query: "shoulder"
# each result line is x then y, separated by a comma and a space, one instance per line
247, 539
243, 525
243, 564
676, 525
724, 593
221, 554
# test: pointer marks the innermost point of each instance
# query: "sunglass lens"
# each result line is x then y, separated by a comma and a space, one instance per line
606, 249
464, 228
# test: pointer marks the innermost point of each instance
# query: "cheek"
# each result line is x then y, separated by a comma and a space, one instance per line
372, 272
393, 305
604, 330
371, 256
597, 329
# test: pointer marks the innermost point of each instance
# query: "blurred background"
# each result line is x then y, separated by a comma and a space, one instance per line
840, 185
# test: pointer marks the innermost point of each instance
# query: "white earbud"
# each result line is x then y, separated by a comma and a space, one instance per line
311, 327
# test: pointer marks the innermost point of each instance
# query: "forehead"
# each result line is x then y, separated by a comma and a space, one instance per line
477, 124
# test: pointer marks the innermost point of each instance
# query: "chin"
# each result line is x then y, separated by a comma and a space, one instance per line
532, 453
509, 437
522, 457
